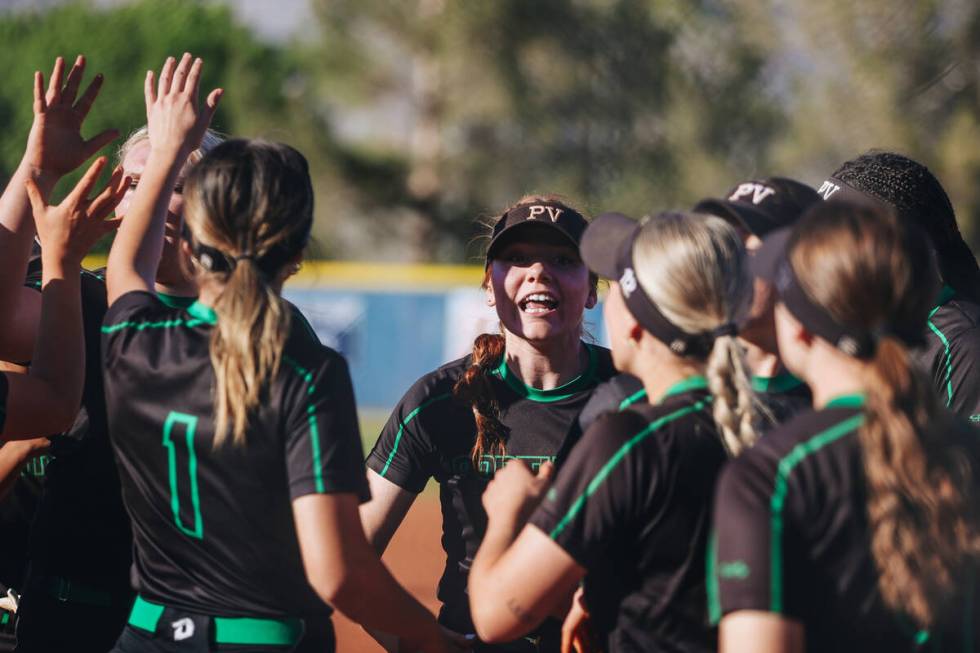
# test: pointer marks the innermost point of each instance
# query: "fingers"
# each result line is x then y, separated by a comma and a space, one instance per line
74, 80
166, 76
54, 84
110, 196
99, 141
148, 94
84, 104
180, 75
40, 104
85, 184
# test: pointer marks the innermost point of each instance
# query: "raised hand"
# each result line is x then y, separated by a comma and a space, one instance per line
69, 230
176, 122
55, 145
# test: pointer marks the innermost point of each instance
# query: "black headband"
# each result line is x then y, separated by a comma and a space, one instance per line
269, 263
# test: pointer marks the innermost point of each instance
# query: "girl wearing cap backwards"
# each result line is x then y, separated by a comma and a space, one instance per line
235, 433
629, 509
951, 352
855, 526
514, 397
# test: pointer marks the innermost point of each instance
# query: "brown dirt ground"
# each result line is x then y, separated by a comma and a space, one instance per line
415, 557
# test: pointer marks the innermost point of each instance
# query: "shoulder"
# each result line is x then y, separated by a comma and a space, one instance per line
959, 317
436, 385
604, 368
139, 310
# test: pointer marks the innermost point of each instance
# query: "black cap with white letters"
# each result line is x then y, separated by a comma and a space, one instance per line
763, 205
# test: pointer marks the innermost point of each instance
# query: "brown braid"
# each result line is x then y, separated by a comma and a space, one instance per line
474, 388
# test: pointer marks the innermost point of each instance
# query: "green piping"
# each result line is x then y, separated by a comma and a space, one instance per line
696, 382
203, 313
852, 400
711, 580
583, 381
404, 423
946, 295
616, 458
783, 382
632, 399
781, 487
307, 377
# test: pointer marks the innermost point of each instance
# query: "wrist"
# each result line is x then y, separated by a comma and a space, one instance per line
46, 180
63, 265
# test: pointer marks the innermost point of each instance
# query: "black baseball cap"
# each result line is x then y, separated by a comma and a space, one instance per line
552, 216
763, 205
607, 248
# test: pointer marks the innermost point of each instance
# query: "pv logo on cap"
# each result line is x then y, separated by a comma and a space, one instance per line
538, 209
183, 629
827, 189
628, 282
756, 192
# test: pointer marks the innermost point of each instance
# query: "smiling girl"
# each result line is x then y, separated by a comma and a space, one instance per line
514, 397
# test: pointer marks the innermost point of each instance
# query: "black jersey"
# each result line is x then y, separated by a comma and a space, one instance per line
951, 356
782, 396
791, 537
632, 506
430, 435
16, 514
81, 503
213, 527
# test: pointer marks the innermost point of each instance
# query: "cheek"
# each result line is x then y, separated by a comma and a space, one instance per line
789, 346
176, 206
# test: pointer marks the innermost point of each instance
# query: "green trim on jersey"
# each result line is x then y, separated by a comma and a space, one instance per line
404, 423
696, 382
203, 313
946, 295
782, 382
853, 400
307, 377
639, 395
617, 457
583, 381
781, 486
711, 580
175, 301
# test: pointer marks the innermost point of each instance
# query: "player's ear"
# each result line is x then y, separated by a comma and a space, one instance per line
491, 300
185, 249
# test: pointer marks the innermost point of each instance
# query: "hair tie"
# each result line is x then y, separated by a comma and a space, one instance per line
726, 329
246, 256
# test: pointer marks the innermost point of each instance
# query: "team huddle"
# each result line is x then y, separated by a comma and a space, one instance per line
775, 453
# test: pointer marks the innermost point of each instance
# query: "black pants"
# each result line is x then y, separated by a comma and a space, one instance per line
47, 625
318, 637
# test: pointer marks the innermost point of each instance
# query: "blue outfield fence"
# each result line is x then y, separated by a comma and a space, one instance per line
399, 325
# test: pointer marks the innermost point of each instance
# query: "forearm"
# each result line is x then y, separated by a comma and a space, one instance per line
59, 352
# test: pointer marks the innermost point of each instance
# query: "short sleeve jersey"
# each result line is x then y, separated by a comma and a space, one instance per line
791, 537
430, 434
632, 506
782, 396
81, 501
213, 526
951, 356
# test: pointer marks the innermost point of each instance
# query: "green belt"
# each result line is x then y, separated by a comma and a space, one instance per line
67, 591
227, 630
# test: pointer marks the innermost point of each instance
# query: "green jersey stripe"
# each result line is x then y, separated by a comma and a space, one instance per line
404, 423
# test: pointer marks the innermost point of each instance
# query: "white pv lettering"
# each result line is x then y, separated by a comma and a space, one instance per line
628, 282
757, 191
827, 189
538, 209
183, 629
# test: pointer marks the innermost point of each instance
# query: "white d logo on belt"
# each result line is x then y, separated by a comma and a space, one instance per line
183, 629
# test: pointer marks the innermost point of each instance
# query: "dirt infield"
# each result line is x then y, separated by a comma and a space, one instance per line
416, 559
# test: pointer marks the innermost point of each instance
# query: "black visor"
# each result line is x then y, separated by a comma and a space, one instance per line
552, 217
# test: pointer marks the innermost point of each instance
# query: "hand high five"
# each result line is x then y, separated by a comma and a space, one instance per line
55, 145
70, 229
176, 122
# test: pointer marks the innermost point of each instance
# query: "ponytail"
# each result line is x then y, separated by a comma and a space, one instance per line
475, 389
246, 347
734, 405
922, 510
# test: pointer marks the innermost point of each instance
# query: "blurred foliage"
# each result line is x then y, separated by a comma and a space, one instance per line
421, 116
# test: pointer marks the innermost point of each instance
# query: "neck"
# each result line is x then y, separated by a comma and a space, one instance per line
171, 278
181, 289
545, 365
659, 368
834, 375
761, 362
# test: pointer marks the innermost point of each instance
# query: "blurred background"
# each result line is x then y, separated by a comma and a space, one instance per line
423, 118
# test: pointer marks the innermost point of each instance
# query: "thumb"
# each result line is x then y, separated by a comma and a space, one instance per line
34, 195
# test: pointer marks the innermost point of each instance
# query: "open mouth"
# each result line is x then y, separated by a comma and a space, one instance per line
538, 303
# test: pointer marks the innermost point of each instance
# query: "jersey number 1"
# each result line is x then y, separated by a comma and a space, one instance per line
181, 465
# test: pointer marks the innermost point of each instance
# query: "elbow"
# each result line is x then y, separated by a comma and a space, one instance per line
492, 615
339, 590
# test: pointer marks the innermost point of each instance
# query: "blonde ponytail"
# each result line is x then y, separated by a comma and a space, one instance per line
734, 404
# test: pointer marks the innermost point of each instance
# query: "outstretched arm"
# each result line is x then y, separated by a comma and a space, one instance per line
55, 147
45, 400
176, 125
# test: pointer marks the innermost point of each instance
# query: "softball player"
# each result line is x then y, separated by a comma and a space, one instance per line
755, 208
951, 350
514, 397
853, 527
629, 509
236, 435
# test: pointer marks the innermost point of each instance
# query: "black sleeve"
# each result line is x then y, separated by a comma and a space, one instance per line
589, 503
744, 571
304, 325
132, 315
3, 400
404, 450
963, 393
323, 441
607, 397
